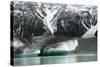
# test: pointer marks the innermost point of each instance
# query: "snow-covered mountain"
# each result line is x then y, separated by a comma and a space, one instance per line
38, 23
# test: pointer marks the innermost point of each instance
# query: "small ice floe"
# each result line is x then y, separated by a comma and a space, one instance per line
31, 51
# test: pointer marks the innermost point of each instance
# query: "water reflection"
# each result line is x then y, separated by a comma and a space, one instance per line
55, 59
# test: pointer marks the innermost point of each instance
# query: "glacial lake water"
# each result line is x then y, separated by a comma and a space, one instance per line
62, 59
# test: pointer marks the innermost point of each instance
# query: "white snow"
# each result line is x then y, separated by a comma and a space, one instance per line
90, 32
17, 44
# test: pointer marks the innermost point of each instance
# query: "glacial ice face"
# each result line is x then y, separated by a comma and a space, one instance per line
69, 45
